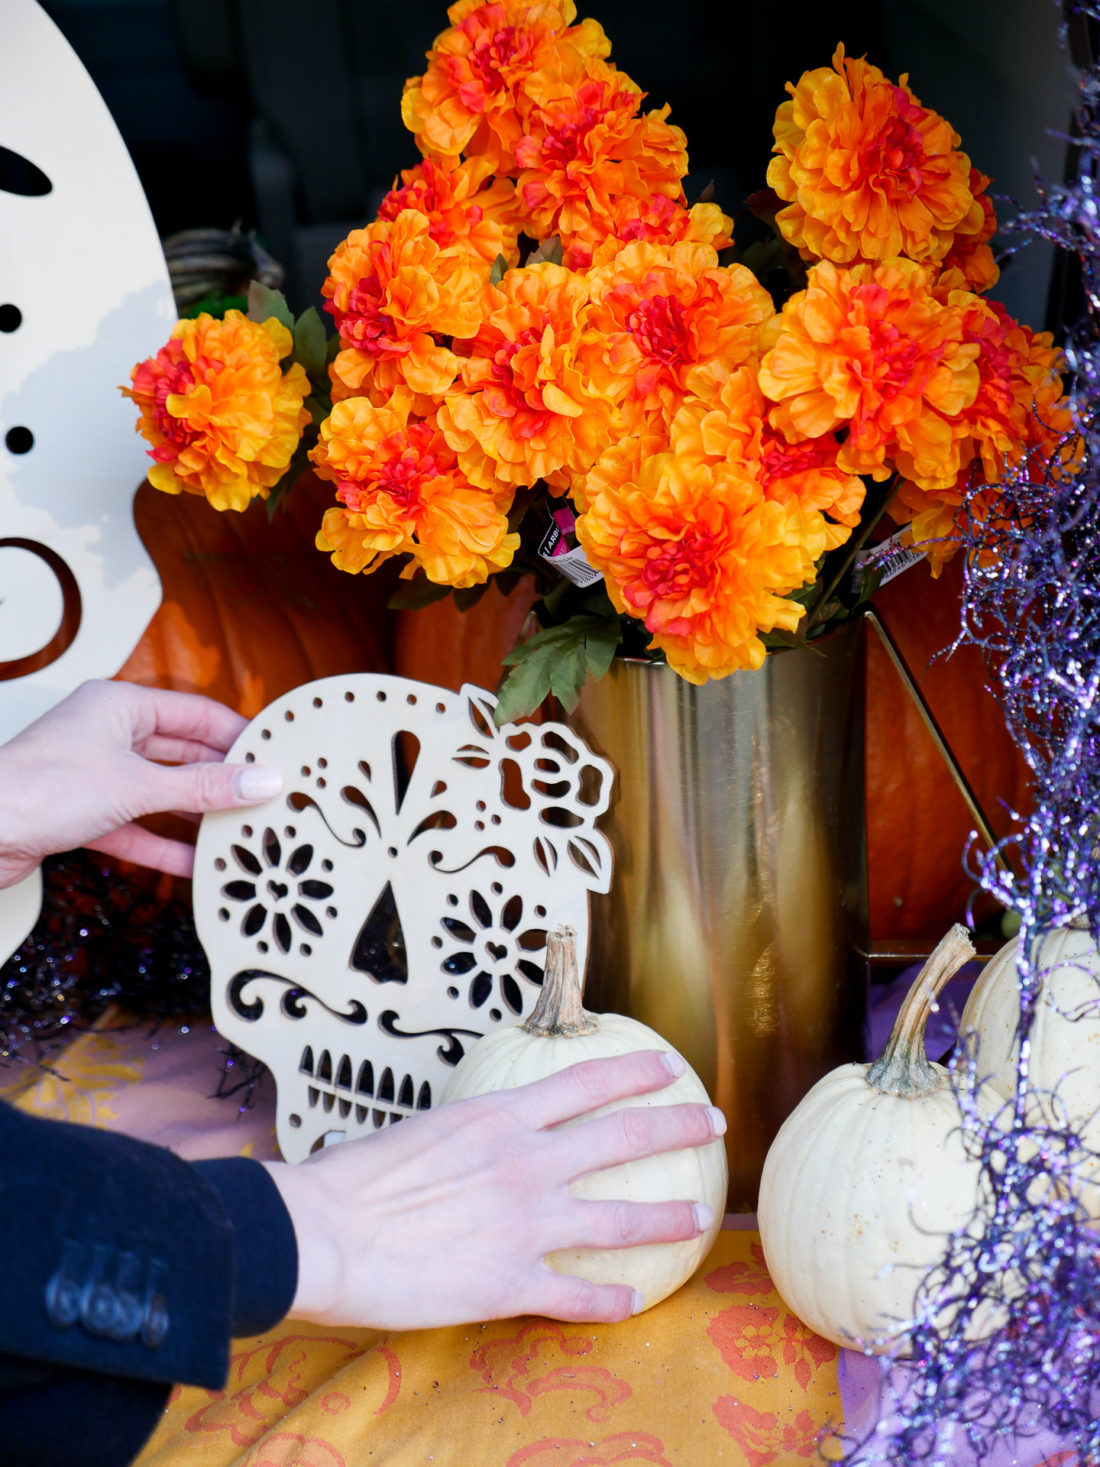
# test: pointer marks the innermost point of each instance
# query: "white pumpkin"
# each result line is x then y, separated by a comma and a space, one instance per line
559, 1033
867, 1178
1064, 1037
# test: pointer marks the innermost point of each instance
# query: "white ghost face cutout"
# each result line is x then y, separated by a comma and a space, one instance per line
392, 904
84, 294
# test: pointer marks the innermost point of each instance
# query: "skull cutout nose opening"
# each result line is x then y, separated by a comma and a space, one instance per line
380, 947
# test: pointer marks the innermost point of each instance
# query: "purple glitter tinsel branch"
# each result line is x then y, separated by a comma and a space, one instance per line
1028, 1262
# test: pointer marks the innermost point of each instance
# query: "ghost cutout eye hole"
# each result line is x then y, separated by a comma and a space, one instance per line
18, 175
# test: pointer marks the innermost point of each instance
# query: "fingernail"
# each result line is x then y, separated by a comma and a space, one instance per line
704, 1215
637, 1303
674, 1063
717, 1120
258, 782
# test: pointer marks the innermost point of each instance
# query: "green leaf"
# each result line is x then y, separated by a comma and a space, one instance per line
550, 251
496, 274
558, 660
706, 195
600, 646
309, 345
263, 303
333, 349
415, 594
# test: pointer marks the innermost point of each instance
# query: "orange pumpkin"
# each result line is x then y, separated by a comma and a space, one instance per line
250, 608
917, 823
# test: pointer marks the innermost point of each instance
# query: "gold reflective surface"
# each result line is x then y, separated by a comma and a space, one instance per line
738, 907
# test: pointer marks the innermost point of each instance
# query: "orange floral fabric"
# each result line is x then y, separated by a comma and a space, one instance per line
719, 1373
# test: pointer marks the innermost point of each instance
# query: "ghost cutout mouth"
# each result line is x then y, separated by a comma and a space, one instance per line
392, 904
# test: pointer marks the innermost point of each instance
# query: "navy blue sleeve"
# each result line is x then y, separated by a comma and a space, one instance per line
266, 1251
126, 1270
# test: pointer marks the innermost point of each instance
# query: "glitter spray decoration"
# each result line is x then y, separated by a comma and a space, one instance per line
1032, 603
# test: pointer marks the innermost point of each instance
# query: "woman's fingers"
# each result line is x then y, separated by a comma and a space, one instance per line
206, 786
637, 1131
559, 1296
190, 716
135, 843
586, 1086
627, 1224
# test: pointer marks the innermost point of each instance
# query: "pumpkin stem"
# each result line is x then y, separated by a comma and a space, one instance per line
559, 1011
903, 1067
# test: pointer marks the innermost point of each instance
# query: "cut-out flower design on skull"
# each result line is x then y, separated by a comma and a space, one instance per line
392, 904
492, 949
282, 901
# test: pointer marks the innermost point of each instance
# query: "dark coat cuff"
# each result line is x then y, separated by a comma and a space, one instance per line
266, 1249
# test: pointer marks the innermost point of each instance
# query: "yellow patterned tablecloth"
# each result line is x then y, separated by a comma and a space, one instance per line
720, 1373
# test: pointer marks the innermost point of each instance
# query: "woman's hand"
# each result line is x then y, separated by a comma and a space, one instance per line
83, 772
447, 1217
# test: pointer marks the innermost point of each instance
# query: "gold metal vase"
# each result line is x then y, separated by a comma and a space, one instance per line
736, 921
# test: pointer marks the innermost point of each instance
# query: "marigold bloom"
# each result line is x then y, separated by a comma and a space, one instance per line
658, 219
588, 149
390, 290
695, 551
734, 426
465, 208
222, 416
523, 409
969, 263
868, 173
663, 312
1018, 412
872, 351
402, 492
473, 98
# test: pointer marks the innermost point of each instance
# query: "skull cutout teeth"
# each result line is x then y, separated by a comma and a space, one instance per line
392, 904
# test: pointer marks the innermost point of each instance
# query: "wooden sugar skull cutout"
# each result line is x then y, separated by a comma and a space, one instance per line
84, 294
392, 904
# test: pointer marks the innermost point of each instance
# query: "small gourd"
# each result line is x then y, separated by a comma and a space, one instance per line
561, 1032
867, 1177
1064, 1036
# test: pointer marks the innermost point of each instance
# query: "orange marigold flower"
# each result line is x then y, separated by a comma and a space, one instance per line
658, 219
734, 426
663, 312
698, 553
222, 416
1018, 413
523, 409
391, 290
872, 351
969, 263
586, 150
466, 209
868, 173
401, 491
473, 98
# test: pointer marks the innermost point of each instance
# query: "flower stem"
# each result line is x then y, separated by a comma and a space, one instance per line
816, 611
